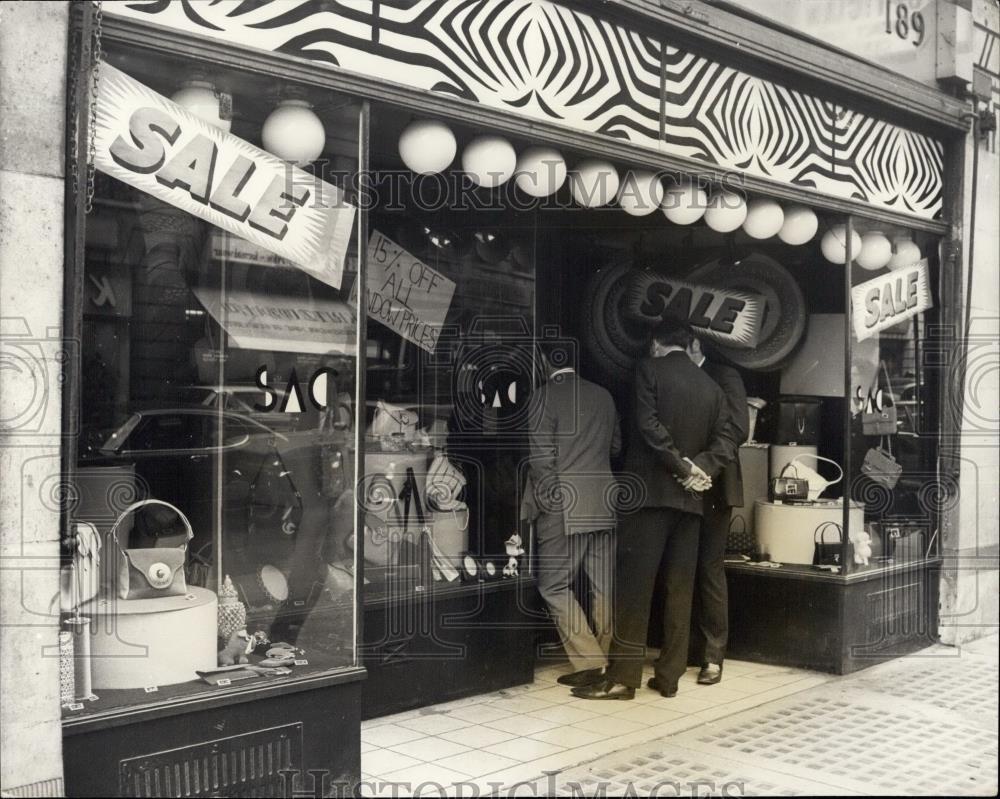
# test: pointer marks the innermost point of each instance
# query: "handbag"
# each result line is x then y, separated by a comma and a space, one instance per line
383, 538
393, 421
739, 538
826, 553
798, 421
443, 485
880, 466
151, 573
788, 489
877, 418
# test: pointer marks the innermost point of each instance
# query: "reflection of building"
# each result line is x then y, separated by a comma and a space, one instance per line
785, 119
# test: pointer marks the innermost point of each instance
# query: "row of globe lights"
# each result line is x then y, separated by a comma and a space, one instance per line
294, 133
429, 147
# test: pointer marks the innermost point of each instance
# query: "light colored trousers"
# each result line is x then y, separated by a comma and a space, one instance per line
560, 558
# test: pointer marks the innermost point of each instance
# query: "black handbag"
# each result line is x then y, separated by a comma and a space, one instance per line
827, 553
798, 421
788, 489
740, 539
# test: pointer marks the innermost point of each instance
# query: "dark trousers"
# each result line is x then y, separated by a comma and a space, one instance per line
651, 540
710, 630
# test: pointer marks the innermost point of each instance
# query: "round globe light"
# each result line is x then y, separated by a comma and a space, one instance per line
198, 97
875, 251
294, 133
594, 183
800, 225
490, 160
641, 192
764, 218
834, 244
726, 211
684, 203
540, 171
427, 146
907, 253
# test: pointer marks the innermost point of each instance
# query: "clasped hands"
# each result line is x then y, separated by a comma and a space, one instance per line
697, 481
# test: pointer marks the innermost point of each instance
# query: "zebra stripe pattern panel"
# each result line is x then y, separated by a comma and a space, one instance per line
545, 61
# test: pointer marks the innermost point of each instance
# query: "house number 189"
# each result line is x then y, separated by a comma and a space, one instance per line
904, 23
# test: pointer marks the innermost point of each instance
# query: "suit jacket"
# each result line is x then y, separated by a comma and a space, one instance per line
728, 490
575, 434
679, 413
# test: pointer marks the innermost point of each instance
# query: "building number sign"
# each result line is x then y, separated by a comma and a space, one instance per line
904, 23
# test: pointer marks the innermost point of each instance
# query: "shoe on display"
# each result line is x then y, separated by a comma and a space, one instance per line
606, 689
668, 693
579, 678
710, 674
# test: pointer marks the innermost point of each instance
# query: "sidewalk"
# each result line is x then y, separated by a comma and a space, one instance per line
921, 725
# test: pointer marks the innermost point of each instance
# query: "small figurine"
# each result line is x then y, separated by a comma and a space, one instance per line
232, 612
235, 649
862, 541
514, 550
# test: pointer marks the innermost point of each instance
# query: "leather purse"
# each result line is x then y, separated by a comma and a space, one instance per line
788, 489
881, 467
156, 572
877, 417
797, 420
827, 553
444, 484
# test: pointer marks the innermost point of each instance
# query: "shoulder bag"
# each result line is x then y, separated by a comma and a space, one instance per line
151, 573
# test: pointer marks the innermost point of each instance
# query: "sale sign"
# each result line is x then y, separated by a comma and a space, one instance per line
405, 294
155, 145
727, 316
889, 299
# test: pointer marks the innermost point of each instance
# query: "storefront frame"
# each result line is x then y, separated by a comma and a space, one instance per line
933, 110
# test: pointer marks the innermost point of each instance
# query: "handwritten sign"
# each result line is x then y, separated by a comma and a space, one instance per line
283, 324
889, 299
729, 317
155, 145
405, 294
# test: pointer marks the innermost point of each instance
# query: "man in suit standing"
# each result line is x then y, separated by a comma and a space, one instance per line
711, 627
571, 494
676, 447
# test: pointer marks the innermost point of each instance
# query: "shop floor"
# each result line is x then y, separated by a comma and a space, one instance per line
921, 725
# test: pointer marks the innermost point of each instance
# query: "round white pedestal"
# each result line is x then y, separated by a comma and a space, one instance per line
139, 643
787, 532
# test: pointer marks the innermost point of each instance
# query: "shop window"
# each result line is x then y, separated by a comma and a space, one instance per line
219, 395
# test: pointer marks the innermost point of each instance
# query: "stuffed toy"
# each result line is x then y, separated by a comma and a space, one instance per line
862, 542
514, 550
235, 649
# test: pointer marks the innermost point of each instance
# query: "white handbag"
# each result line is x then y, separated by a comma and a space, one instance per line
393, 421
443, 485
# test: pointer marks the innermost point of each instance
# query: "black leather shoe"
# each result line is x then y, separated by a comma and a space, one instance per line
580, 678
710, 674
606, 689
654, 683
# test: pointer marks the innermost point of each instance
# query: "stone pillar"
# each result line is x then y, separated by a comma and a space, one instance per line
33, 52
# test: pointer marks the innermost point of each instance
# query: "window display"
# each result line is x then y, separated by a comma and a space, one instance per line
218, 441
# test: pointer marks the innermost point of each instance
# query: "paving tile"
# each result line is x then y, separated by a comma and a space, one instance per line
743, 685
430, 748
434, 724
367, 747
557, 695
477, 763
610, 725
570, 737
607, 707
648, 715
520, 704
523, 725
418, 777
686, 704
478, 736
563, 714
480, 713
524, 749
383, 761
388, 735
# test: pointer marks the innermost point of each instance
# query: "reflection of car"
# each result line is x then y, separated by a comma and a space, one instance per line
192, 457
242, 400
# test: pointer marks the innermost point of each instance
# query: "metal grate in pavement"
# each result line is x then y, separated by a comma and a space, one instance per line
853, 741
966, 686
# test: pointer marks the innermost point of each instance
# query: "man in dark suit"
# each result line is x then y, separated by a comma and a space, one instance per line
575, 433
676, 448
711, 627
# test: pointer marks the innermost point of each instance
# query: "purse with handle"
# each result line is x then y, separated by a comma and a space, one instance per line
880, 466
877, 418
827, 553
151, 573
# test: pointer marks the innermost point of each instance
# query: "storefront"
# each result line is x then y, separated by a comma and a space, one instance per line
265, 440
